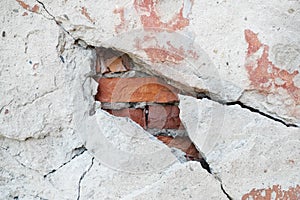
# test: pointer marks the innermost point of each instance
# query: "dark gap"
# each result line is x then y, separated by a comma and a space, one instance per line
77, 152
203, 95
185, 144
146, 111
229, 197
165, 136
170, 137
206, 96
205, 165
139, 104
259, 112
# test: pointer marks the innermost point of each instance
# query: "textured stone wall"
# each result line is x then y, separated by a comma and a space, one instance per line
233, 67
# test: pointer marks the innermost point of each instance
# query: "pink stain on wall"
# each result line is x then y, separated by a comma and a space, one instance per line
85, 13
35, 8
150, 18
264, 75
123, 23
160, 51
293, 193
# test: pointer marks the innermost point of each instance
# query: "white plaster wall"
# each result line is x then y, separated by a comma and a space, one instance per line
50, 148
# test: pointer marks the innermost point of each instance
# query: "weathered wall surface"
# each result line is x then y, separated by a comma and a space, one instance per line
56, 142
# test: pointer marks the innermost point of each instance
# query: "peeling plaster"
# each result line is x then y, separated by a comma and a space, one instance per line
177, 23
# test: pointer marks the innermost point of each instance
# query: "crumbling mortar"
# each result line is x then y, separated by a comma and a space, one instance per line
82, 177
81, 150
141, 68
200, 95
141, 64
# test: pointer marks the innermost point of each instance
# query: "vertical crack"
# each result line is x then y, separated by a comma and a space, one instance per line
82, 177
222, 188
205, 165
54, 19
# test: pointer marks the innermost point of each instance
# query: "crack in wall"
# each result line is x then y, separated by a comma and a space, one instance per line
199, 95
80, 151
206, 166
223, 190
243, 106
38, 97
82, 177
261, 113
54, 19
6, 105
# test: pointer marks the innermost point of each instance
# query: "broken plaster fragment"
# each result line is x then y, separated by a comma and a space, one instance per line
231, 136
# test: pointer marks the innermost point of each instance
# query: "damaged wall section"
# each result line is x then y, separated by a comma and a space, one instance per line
126, 90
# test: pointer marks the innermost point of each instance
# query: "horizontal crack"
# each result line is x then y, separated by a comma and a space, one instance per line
261, 113
80, 151
21, 139
205, 96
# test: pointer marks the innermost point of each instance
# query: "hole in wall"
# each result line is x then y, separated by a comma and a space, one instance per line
126, 90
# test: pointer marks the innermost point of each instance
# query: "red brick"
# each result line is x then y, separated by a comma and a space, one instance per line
115, 64
148, 89
164, 117
182, 143
136, 115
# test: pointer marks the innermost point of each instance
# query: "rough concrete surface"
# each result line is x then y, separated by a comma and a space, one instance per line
243, 56
249, 152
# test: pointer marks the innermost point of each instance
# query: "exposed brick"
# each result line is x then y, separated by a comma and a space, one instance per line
182, 143
164, 117
147, 89
136, 115
115, 64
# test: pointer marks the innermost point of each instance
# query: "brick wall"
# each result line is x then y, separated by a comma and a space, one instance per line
127, 91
